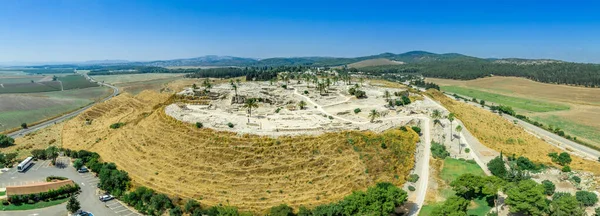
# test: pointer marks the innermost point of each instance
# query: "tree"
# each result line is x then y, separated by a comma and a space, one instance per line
386, 95
482, 102
436, 115
191, 205
586, 198
24, 125
77, 164
373, 115
207, 85
564, 159
451, 119
194, 86
527, 197
249, 105
458, 130
549, 187
454, 206
468, 186
405, 100
73, 204
6, 141
176, 211
439, 151
497, 167
235, 87
566, 205
281, 210
302, 104
52, 153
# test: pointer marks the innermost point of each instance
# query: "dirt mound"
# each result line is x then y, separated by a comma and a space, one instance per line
251, 172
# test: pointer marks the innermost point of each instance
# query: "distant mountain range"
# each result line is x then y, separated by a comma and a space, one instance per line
408, 58
220, 61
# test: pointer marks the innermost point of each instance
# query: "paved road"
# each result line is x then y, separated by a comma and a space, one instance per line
23, 132
88, 197
549, 137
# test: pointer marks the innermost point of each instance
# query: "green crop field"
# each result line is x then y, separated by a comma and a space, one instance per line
515, 102
75, 82
29, 87
452, 169
20, 79
28, 108
571, 127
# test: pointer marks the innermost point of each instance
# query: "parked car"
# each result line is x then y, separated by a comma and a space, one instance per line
83, 170
82, 213
105, 198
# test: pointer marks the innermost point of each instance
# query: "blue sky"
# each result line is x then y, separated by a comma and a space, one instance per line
79, 30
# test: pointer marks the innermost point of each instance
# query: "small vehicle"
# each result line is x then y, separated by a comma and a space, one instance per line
82, 213
83, 170
107, 197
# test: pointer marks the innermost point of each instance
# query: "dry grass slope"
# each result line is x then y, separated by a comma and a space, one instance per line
501, 135
253, 173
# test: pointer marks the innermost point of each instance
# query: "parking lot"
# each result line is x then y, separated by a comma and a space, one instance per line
88, 197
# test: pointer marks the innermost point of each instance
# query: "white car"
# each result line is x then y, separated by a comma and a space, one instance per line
105, 198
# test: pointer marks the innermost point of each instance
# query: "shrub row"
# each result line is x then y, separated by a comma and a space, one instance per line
60, 193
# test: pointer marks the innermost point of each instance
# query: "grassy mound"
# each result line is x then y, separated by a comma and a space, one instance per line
250, 172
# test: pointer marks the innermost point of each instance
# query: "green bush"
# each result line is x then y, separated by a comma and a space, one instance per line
467, 150
357, 110
281, 210
549, 187
413, 178
586, 198
230, 125
497, 167
51, 178
6, 141
117, 125
199, 125
439, 151
416, 129
411, 188
566, 169
576, 179
5, 202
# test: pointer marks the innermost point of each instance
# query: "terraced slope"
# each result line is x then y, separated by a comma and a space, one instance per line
251, 172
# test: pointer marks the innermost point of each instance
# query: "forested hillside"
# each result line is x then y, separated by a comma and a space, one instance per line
559, 72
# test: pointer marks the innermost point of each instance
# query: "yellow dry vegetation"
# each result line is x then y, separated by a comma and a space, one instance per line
250, 172
385, 83
40, 139
499, 134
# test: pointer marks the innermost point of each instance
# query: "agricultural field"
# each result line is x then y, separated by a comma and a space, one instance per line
128, 78
248, 171
573, 109
33, 107
496, 133
75, 82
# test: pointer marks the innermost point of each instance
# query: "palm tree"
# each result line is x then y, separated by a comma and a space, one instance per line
386, 95
458, 130
451, 119
302, 104
207, 85
249, 104
436, 115
373, 115
235, 89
